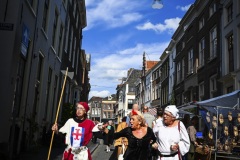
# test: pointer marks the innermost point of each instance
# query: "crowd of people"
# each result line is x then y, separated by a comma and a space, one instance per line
139, 135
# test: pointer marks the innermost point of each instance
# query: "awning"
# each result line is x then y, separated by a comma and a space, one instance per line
153, 111
230, 100
223, 104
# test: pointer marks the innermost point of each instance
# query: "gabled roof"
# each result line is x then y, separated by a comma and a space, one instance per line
150, 64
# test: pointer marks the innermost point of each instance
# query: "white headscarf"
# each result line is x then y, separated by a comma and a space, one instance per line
172, 109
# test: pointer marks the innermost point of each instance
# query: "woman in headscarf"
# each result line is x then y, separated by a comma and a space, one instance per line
172, 136
140, 138
78, 132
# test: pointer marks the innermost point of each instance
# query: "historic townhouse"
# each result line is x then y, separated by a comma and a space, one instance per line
198, 54
33, 36
230, 40
164, 79
185, 70
125, 96
95, 108
108, 106
209, 50
156, 84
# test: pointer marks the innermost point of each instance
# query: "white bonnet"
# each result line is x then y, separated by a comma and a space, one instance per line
172, 109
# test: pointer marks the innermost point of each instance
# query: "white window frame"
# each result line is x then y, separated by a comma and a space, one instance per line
201, 90
190, 61
212, 9
213, 43
201, 52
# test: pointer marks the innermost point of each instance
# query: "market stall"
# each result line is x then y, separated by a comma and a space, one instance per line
222, 118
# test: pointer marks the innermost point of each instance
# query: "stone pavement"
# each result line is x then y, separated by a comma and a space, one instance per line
56, 152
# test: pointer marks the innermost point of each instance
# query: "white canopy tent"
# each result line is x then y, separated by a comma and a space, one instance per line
222, 104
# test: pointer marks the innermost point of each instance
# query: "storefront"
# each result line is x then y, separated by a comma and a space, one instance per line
222, 124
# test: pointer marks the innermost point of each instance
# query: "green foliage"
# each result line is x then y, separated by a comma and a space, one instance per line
67, 112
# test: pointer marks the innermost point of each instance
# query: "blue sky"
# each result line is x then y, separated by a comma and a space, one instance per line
119, 31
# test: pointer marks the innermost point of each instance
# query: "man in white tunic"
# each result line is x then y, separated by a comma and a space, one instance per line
172, 135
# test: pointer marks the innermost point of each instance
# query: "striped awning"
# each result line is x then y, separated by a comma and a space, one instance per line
152, 111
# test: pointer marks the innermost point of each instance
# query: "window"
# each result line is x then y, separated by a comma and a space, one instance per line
230, 13
54, 28
213, 85
201, 52
74, 51
201, 23
74, 8
48, 92
212, 9
130, 103
201, 91
183, 66
67, 34
40, 65
76, 68
19, 85
230, 53
45, 15
67, 89
230, 89
190, 61
60, 41
178, 71
213, 43
71, 44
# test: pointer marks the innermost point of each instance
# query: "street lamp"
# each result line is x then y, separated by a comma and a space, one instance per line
157, 4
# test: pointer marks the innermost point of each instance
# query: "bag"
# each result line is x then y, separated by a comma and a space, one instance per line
203, 150
80, 153
192, 148
120, 157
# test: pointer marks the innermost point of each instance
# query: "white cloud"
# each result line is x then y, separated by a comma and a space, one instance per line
112, 13
184, 8
169, 25
107, 71
102, 94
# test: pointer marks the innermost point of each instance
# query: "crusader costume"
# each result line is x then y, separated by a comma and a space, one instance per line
78, 134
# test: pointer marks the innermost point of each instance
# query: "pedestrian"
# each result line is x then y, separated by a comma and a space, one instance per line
139, 137
172, 135
159, 120
78, 132
156, 125
193, 140
120, 141
148, 117
186, 120
135, 108
108, 135
97, 132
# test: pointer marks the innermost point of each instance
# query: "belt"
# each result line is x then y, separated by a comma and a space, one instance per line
170, 155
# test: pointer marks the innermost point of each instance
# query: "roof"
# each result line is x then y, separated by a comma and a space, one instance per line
150, 64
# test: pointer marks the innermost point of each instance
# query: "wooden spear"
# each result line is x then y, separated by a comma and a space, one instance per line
59, 104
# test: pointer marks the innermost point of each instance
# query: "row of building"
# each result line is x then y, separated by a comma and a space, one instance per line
40, 41
202, 61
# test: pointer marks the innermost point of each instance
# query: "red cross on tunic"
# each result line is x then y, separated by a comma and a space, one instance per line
77, 134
